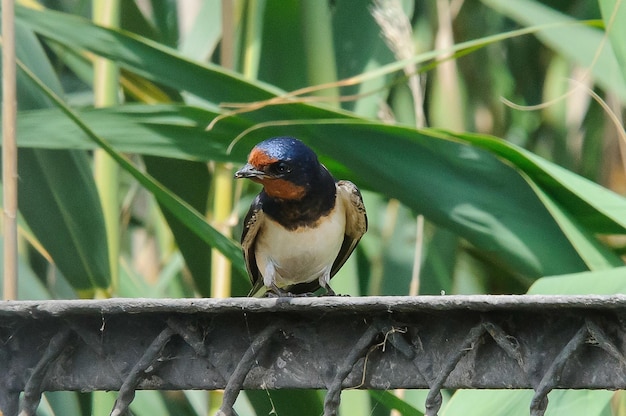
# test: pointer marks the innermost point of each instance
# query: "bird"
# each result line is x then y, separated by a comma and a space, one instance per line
303, 225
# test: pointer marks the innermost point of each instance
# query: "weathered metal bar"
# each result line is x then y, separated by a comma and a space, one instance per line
538, 342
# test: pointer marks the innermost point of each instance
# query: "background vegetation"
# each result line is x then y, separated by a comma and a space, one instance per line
500, 122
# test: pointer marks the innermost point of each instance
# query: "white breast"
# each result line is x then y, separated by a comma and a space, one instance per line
287, 257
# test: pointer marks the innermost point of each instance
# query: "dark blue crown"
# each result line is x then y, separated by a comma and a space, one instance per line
288, 148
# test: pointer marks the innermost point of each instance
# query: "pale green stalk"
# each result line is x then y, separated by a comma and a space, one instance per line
449, 113
222, 191
253, 37
317, 30
9, 151
106, 170
222, 176
222, 209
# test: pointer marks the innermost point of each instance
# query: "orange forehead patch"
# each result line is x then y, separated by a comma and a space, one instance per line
259, 158
282, 189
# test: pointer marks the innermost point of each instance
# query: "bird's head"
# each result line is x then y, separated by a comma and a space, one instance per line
285, 167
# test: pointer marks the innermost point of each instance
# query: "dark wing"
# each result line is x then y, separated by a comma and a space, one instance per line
251, 226
356, 221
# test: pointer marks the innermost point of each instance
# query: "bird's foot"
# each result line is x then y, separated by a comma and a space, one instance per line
285, 294
331, 292
276, 292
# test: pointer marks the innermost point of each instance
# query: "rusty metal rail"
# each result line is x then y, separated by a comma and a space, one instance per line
433, 342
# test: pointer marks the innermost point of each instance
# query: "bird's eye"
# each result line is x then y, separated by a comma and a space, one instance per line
282, 167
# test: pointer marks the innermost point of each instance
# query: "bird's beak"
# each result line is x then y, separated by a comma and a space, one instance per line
249, 171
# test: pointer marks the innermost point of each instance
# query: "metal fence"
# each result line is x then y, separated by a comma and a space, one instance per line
512, 342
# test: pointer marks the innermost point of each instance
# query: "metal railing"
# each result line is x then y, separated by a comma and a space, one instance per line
433, 342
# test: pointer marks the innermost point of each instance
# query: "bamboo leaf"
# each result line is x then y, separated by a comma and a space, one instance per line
394, 403
604, 282
57, 194
614, 16
581, 44
359, 47
209, 82
145, 57
455, 183
516, 403
181, 209
168, 130
600, 209
595, 255
174, 174
284, 401
59, 201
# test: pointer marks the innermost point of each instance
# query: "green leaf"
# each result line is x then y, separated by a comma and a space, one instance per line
581, 44
391, 401
359, 48
285, 70
595, 255
148, 59
174, 174
29, 286
604, 282
181, 209
168, 130
517, 403
599, 209
614, 16
63, 402
58, 199
57, 194
286, 402
205, 33
206, 81
456, 185
149, 403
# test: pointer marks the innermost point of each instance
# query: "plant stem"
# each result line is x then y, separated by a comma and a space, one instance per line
222, 181
222, 208
106, 170
9, 151
320, 52
253, 37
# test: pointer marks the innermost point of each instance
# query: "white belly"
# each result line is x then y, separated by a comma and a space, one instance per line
299, 256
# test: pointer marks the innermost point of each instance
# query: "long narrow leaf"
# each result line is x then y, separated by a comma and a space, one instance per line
614, 16
600, 209
581, 44
595, 255
604, 282
168, 130
182, 210
210, 82
456, 184
454, 188
57, 195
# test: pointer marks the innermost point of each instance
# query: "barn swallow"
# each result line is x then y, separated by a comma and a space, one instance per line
302, 227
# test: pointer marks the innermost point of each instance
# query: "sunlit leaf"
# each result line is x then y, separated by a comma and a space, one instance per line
517, 403
583, 45
604, 282
57, 194
614, 16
